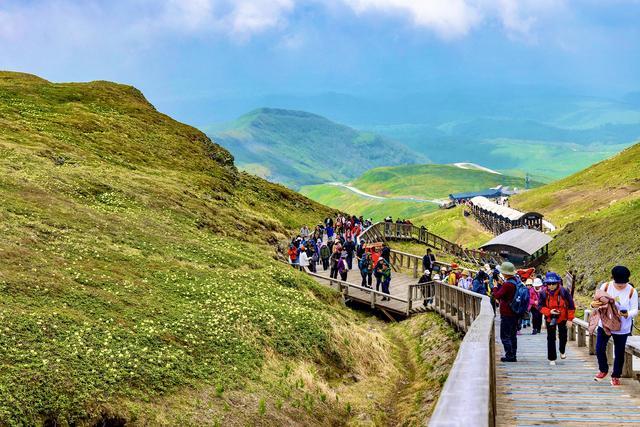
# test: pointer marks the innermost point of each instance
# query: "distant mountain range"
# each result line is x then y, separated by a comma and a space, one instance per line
296, 148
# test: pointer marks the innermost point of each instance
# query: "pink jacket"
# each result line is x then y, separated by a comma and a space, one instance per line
608, 314
534, 297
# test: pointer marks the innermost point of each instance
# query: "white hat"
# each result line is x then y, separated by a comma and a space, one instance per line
436, 276
427, 272
537, 282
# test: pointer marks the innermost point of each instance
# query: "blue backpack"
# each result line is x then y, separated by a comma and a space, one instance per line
520, 302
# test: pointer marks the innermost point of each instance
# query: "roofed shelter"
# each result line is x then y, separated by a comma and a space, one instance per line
498, 218
520, 245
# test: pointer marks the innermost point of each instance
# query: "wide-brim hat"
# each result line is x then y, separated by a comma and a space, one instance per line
529, 282
537, 283
507, 268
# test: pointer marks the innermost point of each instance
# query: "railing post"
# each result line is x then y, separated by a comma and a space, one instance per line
409, 299
582, 342
627, 369
415, 268
592, 343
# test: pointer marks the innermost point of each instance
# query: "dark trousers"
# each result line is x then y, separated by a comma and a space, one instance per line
551, 339
343, 275
508, 335
378, 281
350, 261
536, 319
385, 286
325, 264
334, 271
366, 279
619, 343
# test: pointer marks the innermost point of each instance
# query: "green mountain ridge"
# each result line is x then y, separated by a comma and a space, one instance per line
298, 148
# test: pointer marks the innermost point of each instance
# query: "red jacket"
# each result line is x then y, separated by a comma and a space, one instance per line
560, 300
505, 294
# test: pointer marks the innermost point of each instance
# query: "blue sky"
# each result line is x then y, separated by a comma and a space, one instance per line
191, 51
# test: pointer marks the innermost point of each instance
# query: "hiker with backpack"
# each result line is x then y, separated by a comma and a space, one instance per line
514, 299
325, 254
384, 268
558, 309
335, 259
366, 269
625, 304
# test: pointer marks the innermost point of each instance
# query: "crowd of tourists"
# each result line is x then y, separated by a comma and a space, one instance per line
524, 297
334, 245
527, 303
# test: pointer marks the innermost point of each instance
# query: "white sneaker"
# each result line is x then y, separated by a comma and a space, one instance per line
552, 363
563, 356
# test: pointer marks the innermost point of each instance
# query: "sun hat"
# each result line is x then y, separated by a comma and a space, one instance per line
427, 272
436, 276
454, 266
537, 283
529, 281
552, 277
507, 268
464, 273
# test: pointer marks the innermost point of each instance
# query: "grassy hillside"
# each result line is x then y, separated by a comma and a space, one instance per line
430, 181
138, 280
598, 211
597, 187
298, 148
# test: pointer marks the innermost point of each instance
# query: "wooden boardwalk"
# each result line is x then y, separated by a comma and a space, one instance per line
399, 288
532, 393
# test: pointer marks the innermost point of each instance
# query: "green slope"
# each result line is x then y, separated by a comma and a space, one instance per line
594, 188
430, 181
598, 212
138, 281
298, 148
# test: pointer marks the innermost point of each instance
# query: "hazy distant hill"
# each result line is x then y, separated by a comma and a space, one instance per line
298, 148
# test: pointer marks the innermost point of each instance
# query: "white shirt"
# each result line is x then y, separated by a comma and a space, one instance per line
623, 302
304, 259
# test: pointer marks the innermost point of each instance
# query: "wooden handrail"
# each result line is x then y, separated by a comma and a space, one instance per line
468, 397
359, 287
579, 332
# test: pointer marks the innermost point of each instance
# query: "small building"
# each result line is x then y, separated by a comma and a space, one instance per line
499, 218
521, 246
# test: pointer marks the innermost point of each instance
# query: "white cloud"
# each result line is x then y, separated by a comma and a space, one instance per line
449, 18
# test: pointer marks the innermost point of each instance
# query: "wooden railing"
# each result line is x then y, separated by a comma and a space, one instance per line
414, 262
383, 231
345, 287
579, 332
468, 397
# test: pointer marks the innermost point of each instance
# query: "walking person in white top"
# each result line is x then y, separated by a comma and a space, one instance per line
303, 259
626, 301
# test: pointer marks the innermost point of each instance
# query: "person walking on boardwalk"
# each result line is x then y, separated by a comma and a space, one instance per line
303, 259
343, 268
386, 253
350, 248
384, 269
625, 298
325, 254
534, 298
335, 258
366, 269
428, 260
505, 292
556, 305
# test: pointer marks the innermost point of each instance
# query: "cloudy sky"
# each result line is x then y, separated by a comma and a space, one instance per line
182, 50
